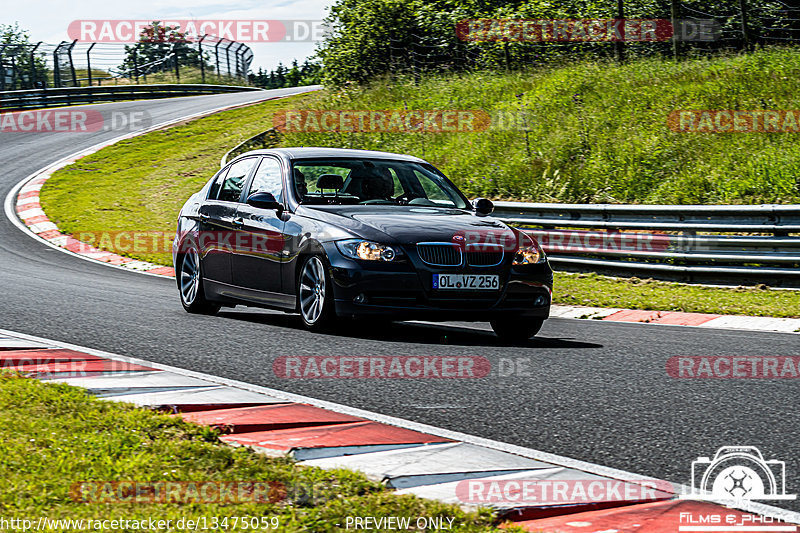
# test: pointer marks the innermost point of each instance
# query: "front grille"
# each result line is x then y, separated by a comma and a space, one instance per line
439, 254
484, 255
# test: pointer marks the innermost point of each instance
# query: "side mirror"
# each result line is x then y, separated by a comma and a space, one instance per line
264, 200
483, 206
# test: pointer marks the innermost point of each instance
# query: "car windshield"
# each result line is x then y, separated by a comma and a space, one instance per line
372, 182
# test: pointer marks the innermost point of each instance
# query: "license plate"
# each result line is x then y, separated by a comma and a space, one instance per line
471, 282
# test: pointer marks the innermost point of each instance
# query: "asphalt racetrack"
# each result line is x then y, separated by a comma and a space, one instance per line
595, 391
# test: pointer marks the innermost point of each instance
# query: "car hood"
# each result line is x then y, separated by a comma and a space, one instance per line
407, 224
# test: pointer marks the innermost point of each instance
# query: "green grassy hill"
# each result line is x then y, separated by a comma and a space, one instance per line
598, 131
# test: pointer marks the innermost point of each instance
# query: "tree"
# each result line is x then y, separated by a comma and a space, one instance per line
155, 48
15, 59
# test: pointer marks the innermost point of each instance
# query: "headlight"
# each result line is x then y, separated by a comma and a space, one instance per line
528, 252
366, 250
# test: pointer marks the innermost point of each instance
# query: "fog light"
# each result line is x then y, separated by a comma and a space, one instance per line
360, 299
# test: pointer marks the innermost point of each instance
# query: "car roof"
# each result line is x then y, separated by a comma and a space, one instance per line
314, 152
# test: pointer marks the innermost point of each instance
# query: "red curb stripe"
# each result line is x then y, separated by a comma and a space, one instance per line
29, 194
51, 234
30, 221
16, 356
163, 271
98, 365
676, 318
634, 315
196, 408
352, 434
658, 517
269, 418
32, 205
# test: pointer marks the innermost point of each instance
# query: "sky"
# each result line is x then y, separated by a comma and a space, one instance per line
48, 20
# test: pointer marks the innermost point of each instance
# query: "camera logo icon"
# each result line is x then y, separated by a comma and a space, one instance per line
738, 473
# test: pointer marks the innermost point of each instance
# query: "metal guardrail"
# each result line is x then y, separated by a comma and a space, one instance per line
42, 98
730, 244
725, 244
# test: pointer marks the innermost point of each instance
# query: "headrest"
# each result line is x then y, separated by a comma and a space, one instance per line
330, 181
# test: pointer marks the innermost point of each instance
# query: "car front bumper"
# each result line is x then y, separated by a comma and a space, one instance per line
403, 290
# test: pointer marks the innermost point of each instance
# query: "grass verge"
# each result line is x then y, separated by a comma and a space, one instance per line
140, 185
635, 293
596, 131
52, 436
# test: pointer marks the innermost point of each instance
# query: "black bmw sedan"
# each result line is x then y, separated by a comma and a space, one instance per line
331, 233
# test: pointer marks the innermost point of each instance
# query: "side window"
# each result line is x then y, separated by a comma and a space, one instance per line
213, 191
398, 187
232, 183
268, 179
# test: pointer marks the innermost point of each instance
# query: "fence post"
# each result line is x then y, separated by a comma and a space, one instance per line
675, 13
13, 73
175, 58
216, 55
135, 65
33, 65
89, 63
57, 67
72, 64
202, 61
745, 30
240, 70
619, 46
228, 57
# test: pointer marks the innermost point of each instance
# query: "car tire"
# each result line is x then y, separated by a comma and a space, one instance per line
516, 329
190, 284
315, 294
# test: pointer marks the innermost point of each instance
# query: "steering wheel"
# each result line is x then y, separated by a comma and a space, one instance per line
406, 198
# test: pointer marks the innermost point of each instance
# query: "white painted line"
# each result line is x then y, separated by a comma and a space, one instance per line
751, 507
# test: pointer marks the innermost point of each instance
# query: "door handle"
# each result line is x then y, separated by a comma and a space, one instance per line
238, 221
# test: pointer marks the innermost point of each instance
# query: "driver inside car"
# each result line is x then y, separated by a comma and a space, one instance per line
378, 186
